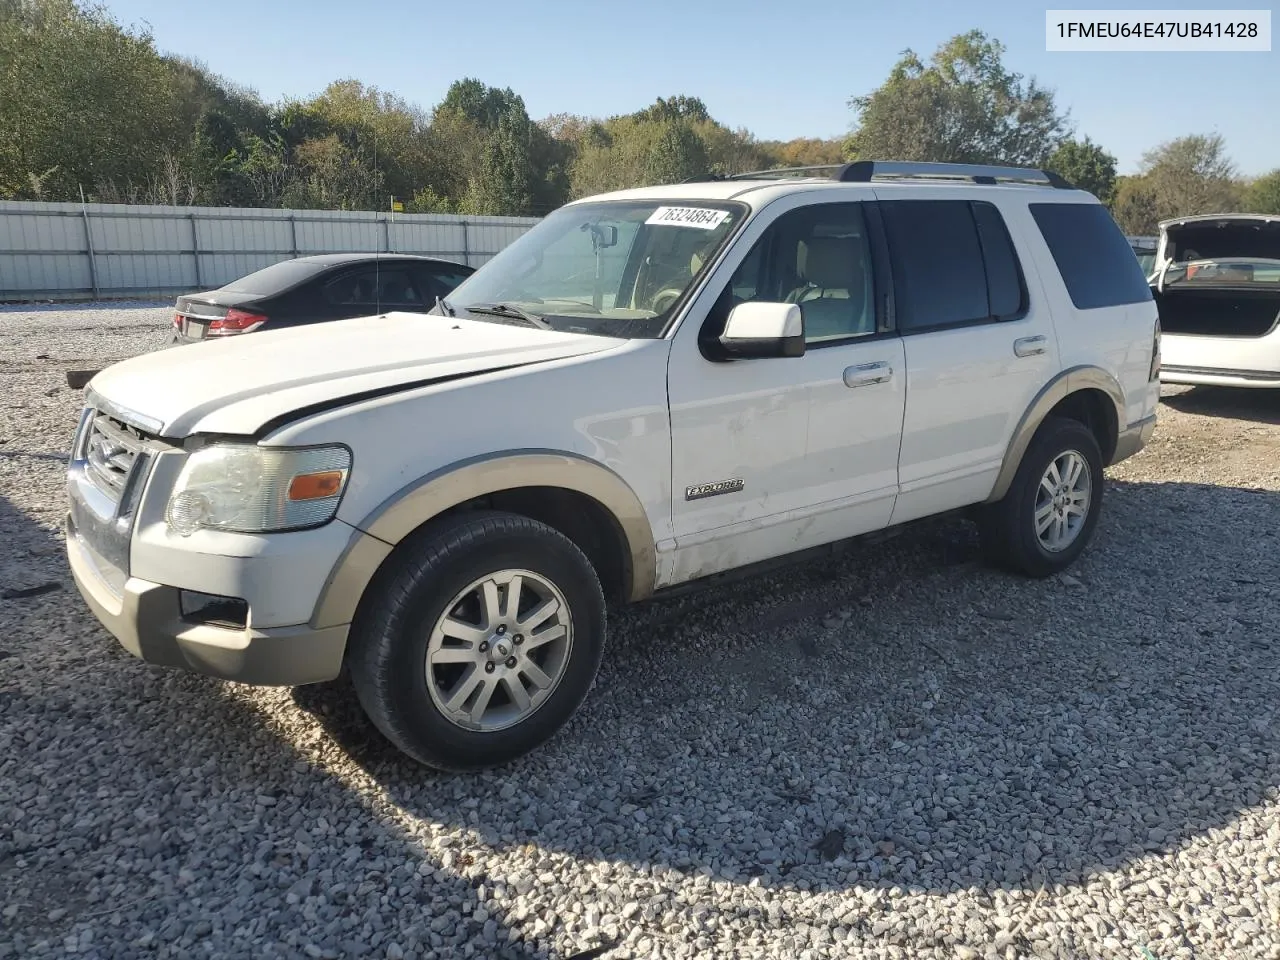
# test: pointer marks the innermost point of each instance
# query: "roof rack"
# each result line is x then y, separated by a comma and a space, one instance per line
864, 171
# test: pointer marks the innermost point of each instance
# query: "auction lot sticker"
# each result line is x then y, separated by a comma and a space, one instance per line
699, 217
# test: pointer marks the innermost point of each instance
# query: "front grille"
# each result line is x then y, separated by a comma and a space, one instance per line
110, 451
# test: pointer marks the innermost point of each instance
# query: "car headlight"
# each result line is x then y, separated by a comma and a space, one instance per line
250, 489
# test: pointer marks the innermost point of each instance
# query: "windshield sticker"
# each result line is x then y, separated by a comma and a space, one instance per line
698, 217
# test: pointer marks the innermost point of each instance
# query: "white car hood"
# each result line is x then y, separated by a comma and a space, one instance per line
239, 384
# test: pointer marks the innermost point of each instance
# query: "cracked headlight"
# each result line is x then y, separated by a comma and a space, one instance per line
250, 489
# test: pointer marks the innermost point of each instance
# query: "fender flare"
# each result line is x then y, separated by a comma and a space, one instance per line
1054, 392
377, 534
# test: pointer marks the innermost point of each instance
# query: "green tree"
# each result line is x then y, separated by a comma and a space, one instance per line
82, 101
675, 108
676, 155
963, 106
381, 129
1087, 166
1263, 194
1134, 206
1191, 175
803, 152
505, 183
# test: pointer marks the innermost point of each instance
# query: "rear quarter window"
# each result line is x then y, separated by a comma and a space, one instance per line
1096, 261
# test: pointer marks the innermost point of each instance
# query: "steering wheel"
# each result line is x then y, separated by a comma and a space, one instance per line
664, 299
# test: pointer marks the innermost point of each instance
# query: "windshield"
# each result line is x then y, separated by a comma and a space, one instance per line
275, 278
612, 268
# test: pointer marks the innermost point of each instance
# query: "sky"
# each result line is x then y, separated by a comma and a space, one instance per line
779, 71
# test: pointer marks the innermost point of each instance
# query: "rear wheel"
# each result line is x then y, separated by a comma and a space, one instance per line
481, 642
1051, 509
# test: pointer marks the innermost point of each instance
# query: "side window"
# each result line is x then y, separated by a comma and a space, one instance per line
1095, 260
939, 279
1006, 289
373, 286
819, 258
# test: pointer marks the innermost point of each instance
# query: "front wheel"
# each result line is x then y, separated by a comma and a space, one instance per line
480, 643
1051, 509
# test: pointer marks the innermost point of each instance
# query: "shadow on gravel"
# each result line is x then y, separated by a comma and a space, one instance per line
162, 811
897, 717
905, 717
1258, 406
6, 454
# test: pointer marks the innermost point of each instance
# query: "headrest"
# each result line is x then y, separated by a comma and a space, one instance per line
831, 262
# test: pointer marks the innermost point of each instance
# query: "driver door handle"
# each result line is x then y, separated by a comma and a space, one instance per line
865, 374
1029, 346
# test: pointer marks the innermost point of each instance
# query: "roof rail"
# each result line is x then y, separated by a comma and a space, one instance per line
864, 171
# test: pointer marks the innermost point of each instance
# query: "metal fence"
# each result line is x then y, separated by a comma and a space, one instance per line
70, 251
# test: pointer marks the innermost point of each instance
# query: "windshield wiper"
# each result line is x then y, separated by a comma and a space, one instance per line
445, 309
507, 310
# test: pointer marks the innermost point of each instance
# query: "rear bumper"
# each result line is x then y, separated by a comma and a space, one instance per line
176, 339
146, 618
1133, 439
1219, 377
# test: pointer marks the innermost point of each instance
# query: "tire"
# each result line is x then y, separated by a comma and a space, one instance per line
403, 621
1009, 528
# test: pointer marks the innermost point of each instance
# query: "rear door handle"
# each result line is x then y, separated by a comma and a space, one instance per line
1029, 346
865, 374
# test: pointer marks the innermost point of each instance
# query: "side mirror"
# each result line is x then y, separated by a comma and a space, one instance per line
757, 330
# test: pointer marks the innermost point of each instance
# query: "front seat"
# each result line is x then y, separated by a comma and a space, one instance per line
833, 296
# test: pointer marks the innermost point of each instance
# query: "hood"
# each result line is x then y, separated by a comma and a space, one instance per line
238, 385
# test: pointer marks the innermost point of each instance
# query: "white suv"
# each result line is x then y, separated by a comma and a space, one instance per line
649, 388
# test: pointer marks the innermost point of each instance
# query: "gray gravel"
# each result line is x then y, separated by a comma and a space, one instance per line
899, 754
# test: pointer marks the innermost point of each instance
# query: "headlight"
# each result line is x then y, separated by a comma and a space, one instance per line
250, 489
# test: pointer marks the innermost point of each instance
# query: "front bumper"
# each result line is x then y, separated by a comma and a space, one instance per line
146, 618
1134, 439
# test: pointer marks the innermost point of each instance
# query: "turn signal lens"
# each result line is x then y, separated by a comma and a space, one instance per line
315, 486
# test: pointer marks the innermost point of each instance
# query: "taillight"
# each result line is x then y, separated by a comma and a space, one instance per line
1154, 373
236, 321
177, 320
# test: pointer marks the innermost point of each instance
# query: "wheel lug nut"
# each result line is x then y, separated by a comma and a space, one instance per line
511, 662
488, 667
484, 646
519, 638
501, 630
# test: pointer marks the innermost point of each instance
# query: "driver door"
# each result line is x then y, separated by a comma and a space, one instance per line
771, 456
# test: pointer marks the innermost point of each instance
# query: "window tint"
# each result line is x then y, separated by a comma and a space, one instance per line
1096, 262
373, 286
820, 258
938, 274
1006, 292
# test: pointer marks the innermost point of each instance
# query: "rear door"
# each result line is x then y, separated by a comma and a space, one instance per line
979, 343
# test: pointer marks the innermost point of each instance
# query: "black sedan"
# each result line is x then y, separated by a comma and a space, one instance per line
330, 286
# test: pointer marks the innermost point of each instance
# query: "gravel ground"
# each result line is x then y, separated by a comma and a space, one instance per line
896, 754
